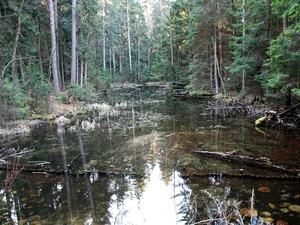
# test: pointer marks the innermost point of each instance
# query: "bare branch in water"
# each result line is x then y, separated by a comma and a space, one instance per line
12, 152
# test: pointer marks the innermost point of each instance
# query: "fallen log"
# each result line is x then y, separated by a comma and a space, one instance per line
47, 170
44, 167
261, 161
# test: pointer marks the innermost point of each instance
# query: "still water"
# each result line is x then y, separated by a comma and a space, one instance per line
131, 160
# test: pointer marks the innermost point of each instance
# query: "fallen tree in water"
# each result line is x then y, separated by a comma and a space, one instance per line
45, 167
262, 162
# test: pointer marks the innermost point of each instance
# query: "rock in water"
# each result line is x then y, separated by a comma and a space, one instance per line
295, 208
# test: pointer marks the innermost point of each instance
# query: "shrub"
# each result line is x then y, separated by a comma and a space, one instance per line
82, 93
13, 101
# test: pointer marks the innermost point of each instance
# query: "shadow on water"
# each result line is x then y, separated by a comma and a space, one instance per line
132, 161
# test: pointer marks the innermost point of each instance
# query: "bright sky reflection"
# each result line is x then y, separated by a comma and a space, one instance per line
156, 205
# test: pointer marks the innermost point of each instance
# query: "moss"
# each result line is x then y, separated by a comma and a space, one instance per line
37, 116
260, 121
51, 117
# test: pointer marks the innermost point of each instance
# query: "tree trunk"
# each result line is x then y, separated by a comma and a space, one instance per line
110, 63
121, 60
211, 77
103, 35
57, 41
40, 51
85, 71
220, 46
114, 61
243, 21
62, 68
149, 58
22, 73
74, 44
171, 47
81, 71
129, 38
269, 18
15, 46
216, 65
53, 48
139, 51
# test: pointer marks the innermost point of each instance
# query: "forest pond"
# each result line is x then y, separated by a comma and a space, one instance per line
138, 159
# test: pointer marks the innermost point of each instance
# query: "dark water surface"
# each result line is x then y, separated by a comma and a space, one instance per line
142, 169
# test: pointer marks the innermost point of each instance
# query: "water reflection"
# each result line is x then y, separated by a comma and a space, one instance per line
158, 203
136, 156
62, 142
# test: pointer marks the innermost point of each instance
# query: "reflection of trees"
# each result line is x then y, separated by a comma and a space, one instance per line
61, 139
87, 180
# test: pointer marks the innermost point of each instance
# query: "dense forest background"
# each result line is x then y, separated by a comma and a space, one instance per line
79, 48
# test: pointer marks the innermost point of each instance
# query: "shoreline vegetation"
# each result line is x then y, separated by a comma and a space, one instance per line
225, 106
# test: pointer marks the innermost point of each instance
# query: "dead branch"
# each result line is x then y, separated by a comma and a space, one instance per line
12, 152
11, 174
289, 109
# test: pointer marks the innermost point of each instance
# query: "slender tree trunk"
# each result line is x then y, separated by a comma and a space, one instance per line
74, 45
53, 48
129, 38
220, 44
211, 79
85, 71
149, 22
22, 73
81, 71
57, 41
40, 51
284, 22
15, 46
171, 47
110, 62
215, 61
269, 18
244, 23
149, 58
121, 60
62, 68
216, 67
139, 51
114, 59
103, 36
